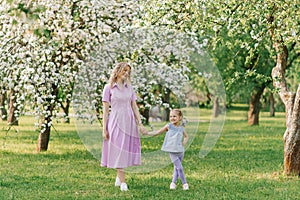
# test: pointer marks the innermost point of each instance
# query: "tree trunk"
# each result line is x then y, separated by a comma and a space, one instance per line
12, 116
44, 135
272, 105
292, 108
166, 99
46, 123
3, 111
216, 108
146, 114
66, 110
291, 136
253, 113
68, 103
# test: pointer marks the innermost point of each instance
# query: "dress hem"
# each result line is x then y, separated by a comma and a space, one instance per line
110, 167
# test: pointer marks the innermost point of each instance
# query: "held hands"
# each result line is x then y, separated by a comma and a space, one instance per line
143, 130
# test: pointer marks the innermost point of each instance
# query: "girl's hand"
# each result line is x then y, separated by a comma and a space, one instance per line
105, 134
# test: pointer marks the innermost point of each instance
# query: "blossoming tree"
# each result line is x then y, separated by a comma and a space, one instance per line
46, 42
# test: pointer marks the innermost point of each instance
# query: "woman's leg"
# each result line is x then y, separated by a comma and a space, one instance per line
121, 175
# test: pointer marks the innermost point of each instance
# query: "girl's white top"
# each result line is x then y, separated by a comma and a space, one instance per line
173, 139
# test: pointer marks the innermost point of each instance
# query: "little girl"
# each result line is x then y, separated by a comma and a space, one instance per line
174, 145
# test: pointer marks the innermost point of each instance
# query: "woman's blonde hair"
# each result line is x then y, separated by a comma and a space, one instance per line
116, 71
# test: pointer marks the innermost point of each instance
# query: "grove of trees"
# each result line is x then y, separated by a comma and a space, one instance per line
47, 45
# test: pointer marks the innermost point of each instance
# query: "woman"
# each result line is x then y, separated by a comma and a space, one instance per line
121, 146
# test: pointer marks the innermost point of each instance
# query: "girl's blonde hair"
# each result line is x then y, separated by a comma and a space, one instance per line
116, 71
178, 111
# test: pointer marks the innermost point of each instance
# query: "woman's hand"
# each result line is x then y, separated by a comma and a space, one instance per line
105, 134
143, 130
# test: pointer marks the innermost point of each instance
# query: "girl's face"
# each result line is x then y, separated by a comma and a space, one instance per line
175, 118
124, 74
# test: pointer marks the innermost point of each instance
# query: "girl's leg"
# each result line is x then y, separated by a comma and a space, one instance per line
174, 157
175, 175
178, 168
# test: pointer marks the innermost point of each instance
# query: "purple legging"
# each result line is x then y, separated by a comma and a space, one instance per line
178, 169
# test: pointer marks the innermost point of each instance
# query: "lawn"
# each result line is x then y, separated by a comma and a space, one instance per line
245, 163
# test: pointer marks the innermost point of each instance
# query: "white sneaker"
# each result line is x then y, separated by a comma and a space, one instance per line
123, 187
172, 186
118, 182
185, 186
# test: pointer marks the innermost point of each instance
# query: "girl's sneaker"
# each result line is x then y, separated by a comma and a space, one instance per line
118, 182
185, 186
172, 186
123, 187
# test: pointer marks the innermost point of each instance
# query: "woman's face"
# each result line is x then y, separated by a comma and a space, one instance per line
125, 73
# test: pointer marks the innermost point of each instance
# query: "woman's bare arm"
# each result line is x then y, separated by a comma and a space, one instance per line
136, 112
104, 119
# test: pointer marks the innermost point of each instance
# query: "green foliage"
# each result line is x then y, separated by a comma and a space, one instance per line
238, 35
22, 7
246, 163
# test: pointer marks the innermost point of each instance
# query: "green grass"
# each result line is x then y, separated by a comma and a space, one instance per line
246, 163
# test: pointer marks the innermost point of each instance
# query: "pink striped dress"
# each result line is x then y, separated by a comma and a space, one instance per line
123, 149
